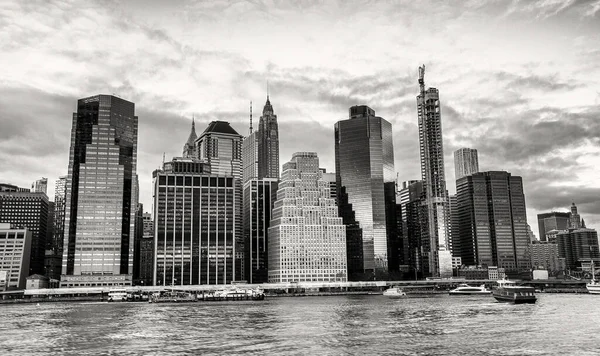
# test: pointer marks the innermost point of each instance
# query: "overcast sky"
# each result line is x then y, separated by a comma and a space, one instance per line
519, 81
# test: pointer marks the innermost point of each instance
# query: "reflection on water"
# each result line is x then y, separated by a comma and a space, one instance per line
556, 325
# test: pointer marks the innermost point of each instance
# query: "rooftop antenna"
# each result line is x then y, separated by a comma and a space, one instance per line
250, 116
163, 158
267, 89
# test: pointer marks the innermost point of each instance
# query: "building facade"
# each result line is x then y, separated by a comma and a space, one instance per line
493, 220
577, 246
365, 178
544, 255
29, 210
435, 196
195, 224
268, 143
259, 197
100, 194
146, 261
307, 239
552, 221
465, 162
15, 247
40, 186
410, 205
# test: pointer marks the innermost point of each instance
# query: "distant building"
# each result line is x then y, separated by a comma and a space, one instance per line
465, 162
552, 221
330, 178
412, 227
307, 239
493, 220
195, 224
473, 272
577, 245
574, 218
15, 247
495, 273
531, 235
544, 255
29, 210
37, 281
40, 186
365, 175
146, 260
453, 239
268, 143
101, 194
189, 148
4, 187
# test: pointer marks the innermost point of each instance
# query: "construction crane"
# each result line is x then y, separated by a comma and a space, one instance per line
422, 79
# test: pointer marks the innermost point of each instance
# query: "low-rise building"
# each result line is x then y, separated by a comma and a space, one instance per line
15, 249
473, 272
37, 281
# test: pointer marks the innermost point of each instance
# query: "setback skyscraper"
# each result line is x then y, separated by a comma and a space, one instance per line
365, 176
307, 239
465, 162
101, 194
435, 198
268, 143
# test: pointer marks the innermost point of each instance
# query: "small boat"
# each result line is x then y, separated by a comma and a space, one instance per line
465, 289
394, 293
509, 292
594, 286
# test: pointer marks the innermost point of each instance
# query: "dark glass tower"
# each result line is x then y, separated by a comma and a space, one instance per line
492, 221
268, 143
364, 161
100, 193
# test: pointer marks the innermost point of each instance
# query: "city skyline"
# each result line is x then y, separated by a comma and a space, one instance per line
546, 77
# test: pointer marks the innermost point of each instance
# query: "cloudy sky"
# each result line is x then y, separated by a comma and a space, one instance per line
518, 80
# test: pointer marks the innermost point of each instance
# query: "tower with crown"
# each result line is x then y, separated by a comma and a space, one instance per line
189, 146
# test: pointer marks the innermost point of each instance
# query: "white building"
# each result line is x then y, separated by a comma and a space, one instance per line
307, 239
15, 247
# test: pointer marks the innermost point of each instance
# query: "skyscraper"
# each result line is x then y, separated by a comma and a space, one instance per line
465, 162
100, 194
365, 177
307, 239
195, 221
493, 220
15, 247
552, 221
40, 186
146, 261
28, 210
189, 148
268, 143
574, 218
410, 202
221, 147
435, 198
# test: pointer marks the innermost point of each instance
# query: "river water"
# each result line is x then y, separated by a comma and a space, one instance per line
558, 324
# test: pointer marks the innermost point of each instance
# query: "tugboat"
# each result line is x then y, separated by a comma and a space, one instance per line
509, 292
465, 289
394, 293
594, 286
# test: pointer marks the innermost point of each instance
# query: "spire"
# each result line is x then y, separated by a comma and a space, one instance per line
192, 138
250, 117
583, 224
268, 109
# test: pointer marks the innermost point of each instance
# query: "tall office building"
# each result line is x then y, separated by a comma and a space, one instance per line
15, 247
454, 223
552, 221
544, 255
574, 218
195, 222
330, 178
493, 220
435, 198
101, 194
146, 261
221, 147
28, 210
259, 197
250, 156
577, 246
365, 177
40, 186
307, 239
410, 202
465, 162
268, 143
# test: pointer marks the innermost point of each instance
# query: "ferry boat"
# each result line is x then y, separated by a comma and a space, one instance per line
394, 293
236, 294
465, 289
117, 295
172, 297
508, 291
594, 286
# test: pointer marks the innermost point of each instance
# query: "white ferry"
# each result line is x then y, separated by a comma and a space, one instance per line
394, 293
465, 289
117, 295
508, 291
594, 286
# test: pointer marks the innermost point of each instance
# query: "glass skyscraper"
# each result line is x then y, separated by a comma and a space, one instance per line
100, 194
465, 162
365, 177
435, 199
